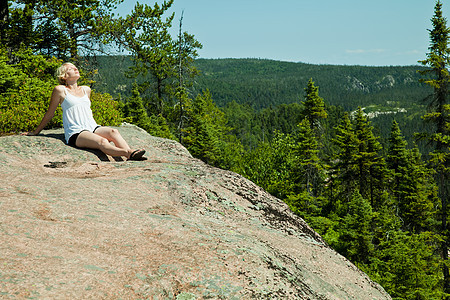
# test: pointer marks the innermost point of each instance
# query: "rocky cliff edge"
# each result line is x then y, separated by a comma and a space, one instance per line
76, 224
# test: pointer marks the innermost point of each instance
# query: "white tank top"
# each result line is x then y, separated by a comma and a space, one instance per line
77, 114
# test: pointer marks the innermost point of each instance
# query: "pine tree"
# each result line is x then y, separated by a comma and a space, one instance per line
4, 20
405, 265
438, 61
397, 154
370, 163
355, 240
358, 163
314, 107
206, 129
306, 176
135, 112
412, 184
306, 173
17, 25
146, 35
344, 171
421, 202
134, 109
308, 142
80, 25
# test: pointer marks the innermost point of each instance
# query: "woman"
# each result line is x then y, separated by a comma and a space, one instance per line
80, 128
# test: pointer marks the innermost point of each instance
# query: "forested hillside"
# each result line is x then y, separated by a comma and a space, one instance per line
269, 83
264, 86
265, 83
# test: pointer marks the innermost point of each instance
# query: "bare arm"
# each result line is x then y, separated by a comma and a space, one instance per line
87, 90
57, 97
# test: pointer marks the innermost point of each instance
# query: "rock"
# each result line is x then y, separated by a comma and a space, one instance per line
77, 224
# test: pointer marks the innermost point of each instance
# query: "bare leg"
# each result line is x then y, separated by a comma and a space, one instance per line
91, 140
113, 135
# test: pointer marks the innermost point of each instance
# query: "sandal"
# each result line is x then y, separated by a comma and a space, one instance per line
137, 155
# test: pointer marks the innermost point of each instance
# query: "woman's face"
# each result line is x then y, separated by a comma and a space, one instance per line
72, 72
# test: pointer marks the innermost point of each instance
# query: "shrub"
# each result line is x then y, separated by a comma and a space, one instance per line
25, 91
106, 110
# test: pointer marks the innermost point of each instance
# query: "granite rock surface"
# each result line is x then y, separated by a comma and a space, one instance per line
77, 224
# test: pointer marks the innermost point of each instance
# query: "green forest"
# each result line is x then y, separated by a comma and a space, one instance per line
266, 88
361, 153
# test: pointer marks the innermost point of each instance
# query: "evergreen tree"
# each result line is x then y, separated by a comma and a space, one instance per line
145, 33
134, 109
206, 127
307, 168
405, 265
187, 50
163, 62
4, 20
135, 112
355, 240
421, 202
398, 160
344, 171
307, 175
59, 28
438, 77
314, 107
370, 164
412, 184
18, 24
308, 142
397, 156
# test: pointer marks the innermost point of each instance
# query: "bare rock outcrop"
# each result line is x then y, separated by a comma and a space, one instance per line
76, 224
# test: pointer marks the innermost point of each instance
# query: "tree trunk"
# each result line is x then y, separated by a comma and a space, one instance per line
159, 87
4, 19
73, 47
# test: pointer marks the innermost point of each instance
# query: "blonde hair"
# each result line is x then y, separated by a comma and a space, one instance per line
61, 73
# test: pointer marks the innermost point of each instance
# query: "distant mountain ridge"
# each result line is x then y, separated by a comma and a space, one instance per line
385, 93
279, 81
265, 83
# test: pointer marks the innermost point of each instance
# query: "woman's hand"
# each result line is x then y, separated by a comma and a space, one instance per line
30, 133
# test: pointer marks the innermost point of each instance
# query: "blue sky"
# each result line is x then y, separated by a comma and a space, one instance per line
338, 32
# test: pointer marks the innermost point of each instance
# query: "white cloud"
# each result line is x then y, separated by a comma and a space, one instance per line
362, 51
413, 52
